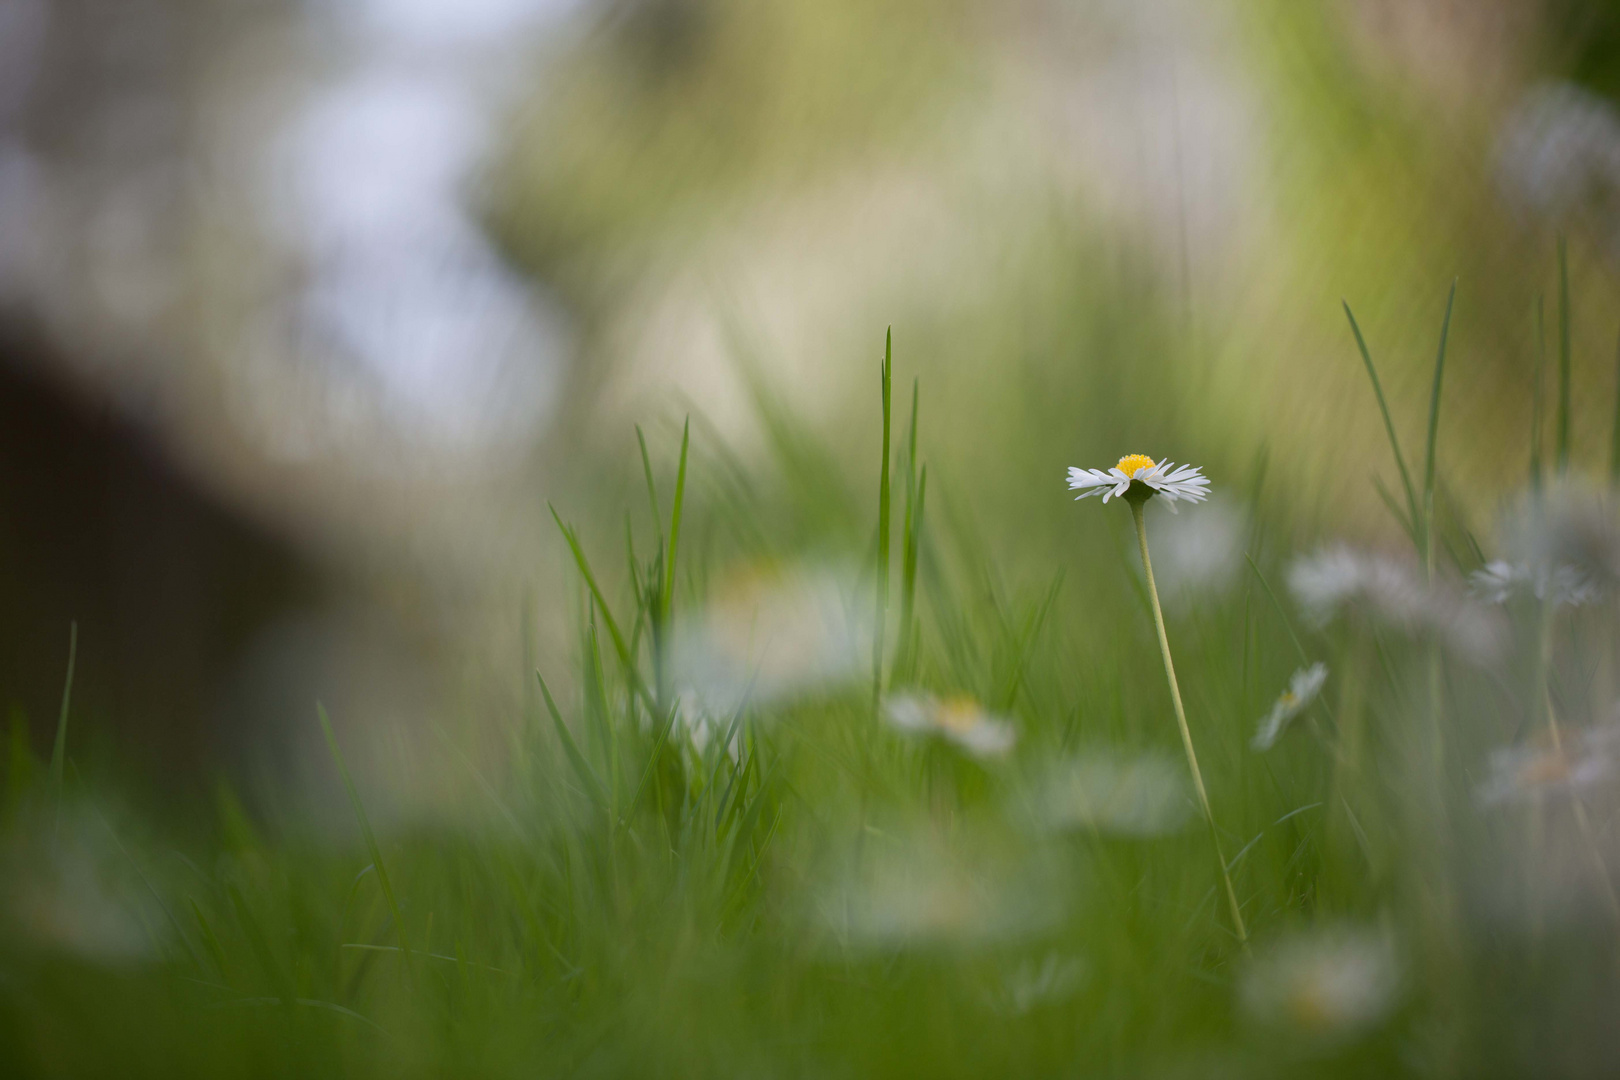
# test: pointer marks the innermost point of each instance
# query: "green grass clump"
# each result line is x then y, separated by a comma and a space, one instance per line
795, 885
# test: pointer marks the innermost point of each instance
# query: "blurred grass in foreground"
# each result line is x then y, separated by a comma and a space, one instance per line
724, 841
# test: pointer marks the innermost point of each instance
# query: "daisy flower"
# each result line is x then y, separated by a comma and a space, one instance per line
1139, 476
1498, 581
958, 720
1327, 986
1302, 690
1338, 577
1122, 796
1527, 773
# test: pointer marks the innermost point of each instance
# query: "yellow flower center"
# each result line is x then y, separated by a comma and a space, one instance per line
1130, 463
958, 714
1288, 697
1552, 767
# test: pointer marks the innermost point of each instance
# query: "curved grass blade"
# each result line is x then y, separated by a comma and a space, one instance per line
59, 750
1434, 428
883, 525
1383, 407
675, 522
587, 775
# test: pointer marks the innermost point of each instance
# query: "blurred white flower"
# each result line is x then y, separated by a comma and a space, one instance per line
1138, 796
1395, 592
1558, 153
1302, 690
1528, 773
770, 636
1497, 581
915, 890
1156, 478
1327, 985
1569, 528
960, 721
69, 888
1199, 551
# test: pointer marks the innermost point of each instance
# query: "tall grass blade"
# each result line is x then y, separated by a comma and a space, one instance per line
666, 604
1383, 408
59, 750
1434, 429
582, 768
646, 471
621, 648
908, 547
365, 831
908, 575
883, 526
619, 645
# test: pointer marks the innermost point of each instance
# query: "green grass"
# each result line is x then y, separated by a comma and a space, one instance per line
810, 892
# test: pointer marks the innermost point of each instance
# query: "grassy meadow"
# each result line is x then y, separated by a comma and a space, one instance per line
834, 776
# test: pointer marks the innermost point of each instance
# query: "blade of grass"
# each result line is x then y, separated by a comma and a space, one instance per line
1434, 428
1394, 509
883, 527
1383, 407
590, 582
646, 471
908, 547
620, 647
652, 758
587, 775
1562, 435
59, 750
668, 601
908, 574
365, 832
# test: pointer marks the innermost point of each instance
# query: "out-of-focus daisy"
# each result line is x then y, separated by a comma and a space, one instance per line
914, 889
1527, 773
1567, 525
960, 721
1394, 591
769, 635
1128, 796
1497, 582
1328, 985
1199, 552
1139, 476
1302, 690
71, 889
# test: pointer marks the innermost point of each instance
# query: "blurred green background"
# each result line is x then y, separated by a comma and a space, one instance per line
309, 309
356, 287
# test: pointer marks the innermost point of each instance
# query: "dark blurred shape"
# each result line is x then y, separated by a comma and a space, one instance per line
167, 582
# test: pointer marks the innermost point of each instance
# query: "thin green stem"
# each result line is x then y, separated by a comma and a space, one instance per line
1181, 722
